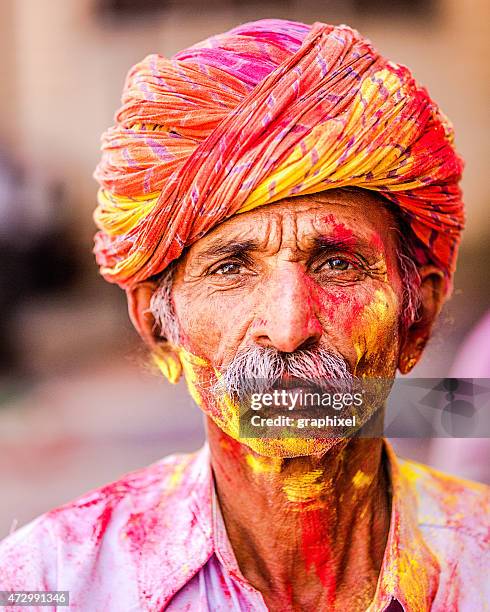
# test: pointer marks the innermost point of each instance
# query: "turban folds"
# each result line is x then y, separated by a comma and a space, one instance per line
269, 110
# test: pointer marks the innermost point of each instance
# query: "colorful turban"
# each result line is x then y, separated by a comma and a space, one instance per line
269, 110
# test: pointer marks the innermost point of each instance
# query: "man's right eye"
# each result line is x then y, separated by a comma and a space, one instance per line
228, 267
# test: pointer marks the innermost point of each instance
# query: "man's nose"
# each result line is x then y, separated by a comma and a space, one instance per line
289, 311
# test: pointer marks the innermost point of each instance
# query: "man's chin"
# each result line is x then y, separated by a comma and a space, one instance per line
288, 448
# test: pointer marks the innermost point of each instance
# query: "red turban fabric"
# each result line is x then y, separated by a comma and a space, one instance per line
268, 110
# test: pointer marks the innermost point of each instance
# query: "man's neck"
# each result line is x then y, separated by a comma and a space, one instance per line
307, 532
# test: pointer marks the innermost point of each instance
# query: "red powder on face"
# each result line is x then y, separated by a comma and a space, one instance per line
342, 307
339, 232
376, 242
343, 234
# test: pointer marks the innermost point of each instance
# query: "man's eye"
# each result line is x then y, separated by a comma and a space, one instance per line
227, 268
337, 263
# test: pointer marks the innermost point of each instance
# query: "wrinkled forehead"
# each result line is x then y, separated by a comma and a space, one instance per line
348, 217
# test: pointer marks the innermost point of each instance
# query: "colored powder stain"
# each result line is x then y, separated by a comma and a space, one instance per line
359, 354
377, 242
196, 370
225, 444
286, 447
168, 366
191, 365
379, 306
316, 554
224, 586
361, 479
405, 575
263, 465
176, 477
340, 301
340, 231
289, 594
101, 525
373, 316
336, 298
226, 414
449, 492
304, 487
410, 473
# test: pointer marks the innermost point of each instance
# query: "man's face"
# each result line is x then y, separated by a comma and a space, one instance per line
303, 273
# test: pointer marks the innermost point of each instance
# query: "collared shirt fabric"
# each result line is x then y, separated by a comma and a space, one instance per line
219, 586
151, 541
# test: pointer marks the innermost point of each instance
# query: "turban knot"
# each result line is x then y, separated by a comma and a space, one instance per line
269, 110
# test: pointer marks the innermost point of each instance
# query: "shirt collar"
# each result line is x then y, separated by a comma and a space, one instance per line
409, 572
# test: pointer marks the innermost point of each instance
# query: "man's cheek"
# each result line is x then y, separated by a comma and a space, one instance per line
341, 306
374, 334
200, 330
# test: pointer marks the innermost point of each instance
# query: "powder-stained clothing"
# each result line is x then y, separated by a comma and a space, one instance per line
155, 540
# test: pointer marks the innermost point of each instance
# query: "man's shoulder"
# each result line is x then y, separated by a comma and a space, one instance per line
453, 515
447, 501
157, 483
74, 531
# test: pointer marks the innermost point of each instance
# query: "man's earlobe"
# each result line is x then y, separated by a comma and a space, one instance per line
432, 295
165, 355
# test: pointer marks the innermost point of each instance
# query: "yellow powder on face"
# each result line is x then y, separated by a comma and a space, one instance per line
374, 319
228, 415
196, 373
301, 488
190, 366
378, 318
361, 479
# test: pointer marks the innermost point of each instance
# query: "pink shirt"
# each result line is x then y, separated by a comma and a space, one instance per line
155, 540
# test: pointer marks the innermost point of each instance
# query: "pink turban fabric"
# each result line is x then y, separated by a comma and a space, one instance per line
269, 110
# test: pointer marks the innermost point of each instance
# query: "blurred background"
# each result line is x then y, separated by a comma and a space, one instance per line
79, 405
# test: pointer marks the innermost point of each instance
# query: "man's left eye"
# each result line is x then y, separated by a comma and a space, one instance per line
227, 268
337, 263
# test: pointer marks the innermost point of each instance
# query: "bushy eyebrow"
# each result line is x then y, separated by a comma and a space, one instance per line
322, 245
326, 243
232, 248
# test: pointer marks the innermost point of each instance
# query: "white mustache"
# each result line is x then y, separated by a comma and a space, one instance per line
256, 369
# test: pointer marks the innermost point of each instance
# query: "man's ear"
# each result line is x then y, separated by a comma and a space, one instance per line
165, 354
432, 295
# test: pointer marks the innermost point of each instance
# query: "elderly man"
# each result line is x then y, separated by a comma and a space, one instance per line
281, 205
